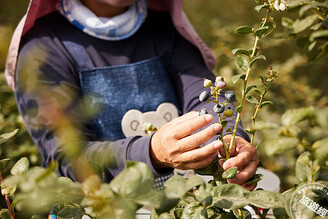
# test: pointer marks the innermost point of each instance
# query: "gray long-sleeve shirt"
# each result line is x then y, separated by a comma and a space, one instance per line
44, 59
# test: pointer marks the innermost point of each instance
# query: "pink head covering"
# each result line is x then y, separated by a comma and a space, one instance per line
39, 8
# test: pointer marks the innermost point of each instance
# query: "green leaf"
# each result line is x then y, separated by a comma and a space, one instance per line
229, 130
194, 210
203, 196
280, 145
258, 91
242, 63
265, 103
318, 35
266, 199
239, 109
70, 212
245, 213
6, 136
256, 178
308, 7
151, 199
20, 167
301, 25
271, 26
260, 57
258, 8
306, 168
193, 181
137, 177
230, 173
249, 88
294, 116
177, 185
251, 99
260, 31
230, 196
321, 150
244, 30
237, 77
224, 123
240, 51
3, 164
287, 22
264, 125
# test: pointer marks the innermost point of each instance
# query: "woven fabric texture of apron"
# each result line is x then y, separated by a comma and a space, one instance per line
117, 89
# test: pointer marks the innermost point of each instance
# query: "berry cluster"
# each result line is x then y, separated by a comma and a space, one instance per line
213, 96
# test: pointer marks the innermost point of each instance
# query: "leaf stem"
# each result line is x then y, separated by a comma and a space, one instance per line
7, 199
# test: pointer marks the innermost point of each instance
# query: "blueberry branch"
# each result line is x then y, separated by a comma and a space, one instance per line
249, 68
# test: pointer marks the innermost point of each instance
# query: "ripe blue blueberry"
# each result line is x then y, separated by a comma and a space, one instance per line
204, 96
230, 96
203, 112
218, 108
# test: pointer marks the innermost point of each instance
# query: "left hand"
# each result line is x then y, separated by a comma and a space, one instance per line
243, 156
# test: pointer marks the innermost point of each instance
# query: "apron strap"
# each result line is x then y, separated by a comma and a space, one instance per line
75, 47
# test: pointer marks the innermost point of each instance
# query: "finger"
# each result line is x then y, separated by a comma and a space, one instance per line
245, 174
200, 164
245, 155
221, 162
192, 141
186, 117
221, 149
202, 153
187, 127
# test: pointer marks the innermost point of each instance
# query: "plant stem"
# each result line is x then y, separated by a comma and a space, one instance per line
221, 135
258, 213
7, 199
258, 107
257, 39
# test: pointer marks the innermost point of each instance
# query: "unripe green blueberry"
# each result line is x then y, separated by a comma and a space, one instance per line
207, 83
203, 112
230, 96
218, 108
204, 96
228, 113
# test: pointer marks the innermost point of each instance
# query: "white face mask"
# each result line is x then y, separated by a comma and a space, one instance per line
116, 28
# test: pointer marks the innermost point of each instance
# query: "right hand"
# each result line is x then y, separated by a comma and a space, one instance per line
174, 145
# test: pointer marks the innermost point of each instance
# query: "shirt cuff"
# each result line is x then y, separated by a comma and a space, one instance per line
139, 150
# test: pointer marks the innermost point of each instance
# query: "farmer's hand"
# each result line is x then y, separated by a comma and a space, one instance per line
174, 145
243, 156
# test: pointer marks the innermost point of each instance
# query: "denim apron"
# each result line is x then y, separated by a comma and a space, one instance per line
114, 90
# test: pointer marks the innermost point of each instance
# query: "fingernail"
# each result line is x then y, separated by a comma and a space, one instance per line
208, 118
217, 127
217, 144
226, 166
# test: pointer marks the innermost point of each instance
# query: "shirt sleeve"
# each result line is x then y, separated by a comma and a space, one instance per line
48, 96
187, 75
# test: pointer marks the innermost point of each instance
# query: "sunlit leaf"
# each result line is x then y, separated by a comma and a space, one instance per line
235, 78
301, 25
242, 63
265, 103
256, 178
20, 166
230, 196
3, 164
258, 8
318, 35
239, 109
266, 199
6, 136
249, 88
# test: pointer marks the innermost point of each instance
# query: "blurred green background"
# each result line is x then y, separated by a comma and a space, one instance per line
301, 83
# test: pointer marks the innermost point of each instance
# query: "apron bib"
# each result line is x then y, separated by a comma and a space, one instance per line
114, 90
